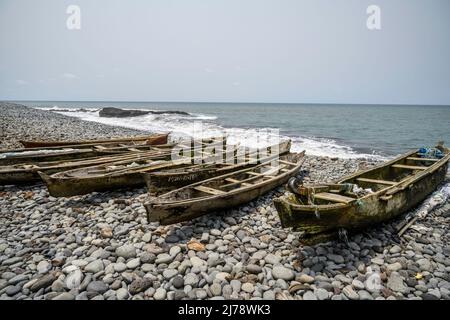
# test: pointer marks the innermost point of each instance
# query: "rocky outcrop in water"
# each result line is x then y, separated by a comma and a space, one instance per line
112, 112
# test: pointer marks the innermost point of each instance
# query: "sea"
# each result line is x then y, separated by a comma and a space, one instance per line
337, 130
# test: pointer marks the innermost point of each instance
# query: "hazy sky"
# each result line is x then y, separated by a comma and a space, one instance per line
311, 51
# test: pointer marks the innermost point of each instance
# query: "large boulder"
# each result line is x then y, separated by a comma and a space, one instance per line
111, 112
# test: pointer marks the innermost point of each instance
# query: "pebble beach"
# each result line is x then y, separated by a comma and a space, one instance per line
101, 247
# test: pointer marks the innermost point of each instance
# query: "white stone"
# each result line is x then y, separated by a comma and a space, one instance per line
197, 262
73, 279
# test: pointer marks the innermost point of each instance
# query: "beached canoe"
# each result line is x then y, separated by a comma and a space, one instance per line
362, 199
222, 192
116, 175
166, 180
26, 173
154, 139
21, 156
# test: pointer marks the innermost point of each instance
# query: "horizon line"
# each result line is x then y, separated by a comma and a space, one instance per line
234, 102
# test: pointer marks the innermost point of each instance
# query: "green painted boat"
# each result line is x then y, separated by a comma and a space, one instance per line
362, 199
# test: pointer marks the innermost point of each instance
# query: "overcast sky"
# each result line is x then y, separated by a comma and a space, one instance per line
310, 51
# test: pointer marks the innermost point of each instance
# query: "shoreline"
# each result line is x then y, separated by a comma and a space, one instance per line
99, 246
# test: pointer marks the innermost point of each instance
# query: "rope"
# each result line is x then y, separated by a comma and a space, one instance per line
343, 236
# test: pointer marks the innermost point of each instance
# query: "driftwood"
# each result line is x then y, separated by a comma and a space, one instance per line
437, 199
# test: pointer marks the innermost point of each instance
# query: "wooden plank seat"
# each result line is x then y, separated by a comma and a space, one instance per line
209, 190
254, 173
375, 181
273, 170
422, 159
333, 197
404, 166
243, 181
238, 182
287, 162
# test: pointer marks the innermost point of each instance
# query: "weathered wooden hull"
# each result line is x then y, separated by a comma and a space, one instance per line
322, 222
60, 186
19, 177
159, 182
75, 187
46, 154
178, 211
155, 139
69, 155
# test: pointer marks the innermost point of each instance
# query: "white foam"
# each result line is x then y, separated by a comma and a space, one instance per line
329, 148
62, 109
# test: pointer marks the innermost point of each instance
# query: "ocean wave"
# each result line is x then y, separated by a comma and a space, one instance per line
329, 148
203, 126
200, 116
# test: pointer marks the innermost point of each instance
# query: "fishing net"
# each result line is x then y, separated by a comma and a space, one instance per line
431, 153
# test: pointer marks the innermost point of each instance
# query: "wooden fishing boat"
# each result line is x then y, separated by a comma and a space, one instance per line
166, 180
361, 199
222, 192
28, 172
21, 156
154, 139
114, 175
18, 157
